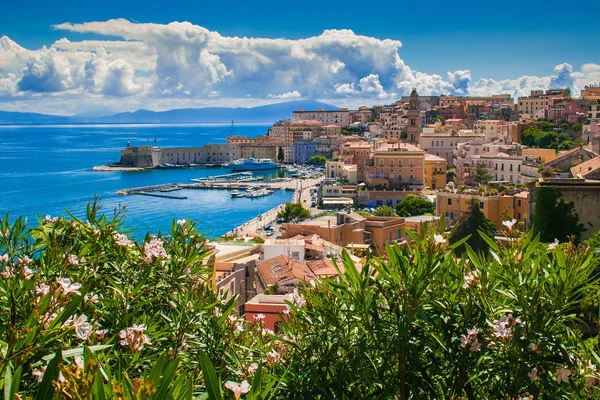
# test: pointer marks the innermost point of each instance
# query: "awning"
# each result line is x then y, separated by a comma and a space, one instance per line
339, 200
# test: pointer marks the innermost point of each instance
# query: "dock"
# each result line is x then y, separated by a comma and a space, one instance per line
230, 177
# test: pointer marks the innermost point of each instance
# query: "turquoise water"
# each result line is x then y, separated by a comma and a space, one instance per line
47, 169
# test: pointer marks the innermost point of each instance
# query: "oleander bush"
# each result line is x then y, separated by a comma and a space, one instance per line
88, 313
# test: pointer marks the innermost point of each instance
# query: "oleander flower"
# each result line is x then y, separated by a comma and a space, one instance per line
27, 273
69, 287
72, 259
83, 329
42, 289
134, 337
122, 240
39, 373
48, 219
237, 388
154, 249
562, 374
252, 368
509, 224
439, 239
182, 223
533, 374
259, 317
553, 245
471, 280
4, 258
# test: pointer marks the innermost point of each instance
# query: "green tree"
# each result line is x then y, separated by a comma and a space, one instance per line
384, 211
414, 205
471, 223
293, 211
450, 174
317, 160
280, 155
481, 175
554, 218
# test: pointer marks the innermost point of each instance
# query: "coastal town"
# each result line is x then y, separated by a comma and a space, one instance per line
362, 167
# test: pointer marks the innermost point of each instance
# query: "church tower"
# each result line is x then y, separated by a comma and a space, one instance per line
413, 129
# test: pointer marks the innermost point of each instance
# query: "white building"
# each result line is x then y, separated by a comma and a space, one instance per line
293, 248
340, 117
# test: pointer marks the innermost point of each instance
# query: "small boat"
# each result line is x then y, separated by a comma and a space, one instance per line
236, 194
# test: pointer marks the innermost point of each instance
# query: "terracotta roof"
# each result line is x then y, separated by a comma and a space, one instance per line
586, 168
281, 270
313, 247
567, 153
324, 267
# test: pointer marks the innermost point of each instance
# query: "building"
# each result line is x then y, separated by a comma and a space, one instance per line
425, 102
141, 157
444, 144
271, 306
278, 131
208, 154
502, 167
303, 151
397, 166
340, 117
379, 197
413, 128
357, 153
492, 129
584, 193
259, 151
538, 103
302, 130
340, 171
589, 169
435, 171
496, 208
293, 248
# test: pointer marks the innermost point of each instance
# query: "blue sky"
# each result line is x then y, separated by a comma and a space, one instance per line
491, 40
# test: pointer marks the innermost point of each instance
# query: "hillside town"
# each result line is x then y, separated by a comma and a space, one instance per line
444, 151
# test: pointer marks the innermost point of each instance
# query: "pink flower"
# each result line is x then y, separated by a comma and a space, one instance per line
27, 273
238, 389
553, 245
475, 346
83, 329
259, 317
72, 259
100, 333
122, 240
90, 299
509, 224
533, 347
502, 328
154, 249
134, 337
252, 368
533, 374
182, 223
562, 374
69, 287
273, 356
4, 258
25, 260
471, 280
79, 362
48, 219
439, 239
42, 289
39, 373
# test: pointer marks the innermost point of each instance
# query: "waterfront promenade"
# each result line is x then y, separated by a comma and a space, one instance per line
255, 225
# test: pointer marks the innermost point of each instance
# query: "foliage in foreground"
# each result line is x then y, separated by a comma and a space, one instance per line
293, 211
88, 313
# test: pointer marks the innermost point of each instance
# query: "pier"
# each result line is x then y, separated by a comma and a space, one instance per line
229, 177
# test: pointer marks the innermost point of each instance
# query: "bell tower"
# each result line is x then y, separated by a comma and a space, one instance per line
413, 129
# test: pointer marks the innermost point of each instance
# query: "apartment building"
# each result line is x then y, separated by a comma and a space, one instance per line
397, 166
209, 153
444, 144
502, 167
492, 129
259, 151
435, 171
357, 153
496, 208
538, 103
340, 117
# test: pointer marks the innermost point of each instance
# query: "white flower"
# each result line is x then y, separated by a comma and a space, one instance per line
439, 239
48, 219
83, 329
4, 258
562, 374
502, 328
69, 287
182, 223
42, 289
237, 388
79, 361
509, 224
154, 249
553, 245
134, 337
259, 317
470, 280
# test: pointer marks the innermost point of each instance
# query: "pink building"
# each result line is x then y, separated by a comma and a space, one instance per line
271, 306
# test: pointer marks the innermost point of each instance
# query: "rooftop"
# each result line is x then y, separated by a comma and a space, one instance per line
585, 168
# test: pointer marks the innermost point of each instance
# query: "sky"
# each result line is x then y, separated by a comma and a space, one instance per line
68, 57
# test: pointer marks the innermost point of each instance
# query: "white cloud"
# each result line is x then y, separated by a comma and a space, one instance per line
287, 95
145, 64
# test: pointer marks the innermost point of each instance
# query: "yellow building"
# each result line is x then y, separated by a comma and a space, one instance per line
259, 151
435, 171
495, 208
397, 166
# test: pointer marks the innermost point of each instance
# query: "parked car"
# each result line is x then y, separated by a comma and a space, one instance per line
269, 233
268, 228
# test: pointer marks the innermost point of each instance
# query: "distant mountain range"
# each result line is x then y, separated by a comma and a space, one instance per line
269, 113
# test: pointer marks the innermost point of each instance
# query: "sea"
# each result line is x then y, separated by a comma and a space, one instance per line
47, 170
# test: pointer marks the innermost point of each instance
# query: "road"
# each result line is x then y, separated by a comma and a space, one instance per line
256, 225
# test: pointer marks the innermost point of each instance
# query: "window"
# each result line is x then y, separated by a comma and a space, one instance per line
519, 204
481, 205
411, 163
296, 255
411, 177
449, 202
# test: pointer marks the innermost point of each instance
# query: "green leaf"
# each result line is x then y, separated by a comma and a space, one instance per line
46, 388
211, 380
